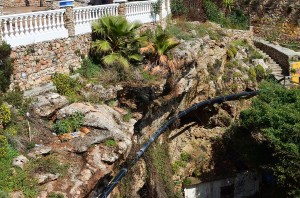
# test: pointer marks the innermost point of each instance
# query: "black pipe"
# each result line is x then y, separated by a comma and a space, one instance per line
160, 131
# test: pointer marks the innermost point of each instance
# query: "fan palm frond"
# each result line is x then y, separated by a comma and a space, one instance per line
101, 46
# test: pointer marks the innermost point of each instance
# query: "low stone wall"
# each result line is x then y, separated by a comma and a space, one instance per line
279, 54
35, 64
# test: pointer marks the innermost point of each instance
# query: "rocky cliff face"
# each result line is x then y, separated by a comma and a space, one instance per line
205, 68
276, 20
203, 74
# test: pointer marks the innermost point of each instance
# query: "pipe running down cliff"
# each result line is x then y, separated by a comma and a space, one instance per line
114, 182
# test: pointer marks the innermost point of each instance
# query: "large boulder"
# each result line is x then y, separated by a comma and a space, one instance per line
104, 122
47, 104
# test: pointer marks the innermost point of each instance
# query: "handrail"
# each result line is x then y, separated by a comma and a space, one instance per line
96, 6
114, 182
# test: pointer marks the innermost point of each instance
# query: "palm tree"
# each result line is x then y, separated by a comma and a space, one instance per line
116, 41
158, 47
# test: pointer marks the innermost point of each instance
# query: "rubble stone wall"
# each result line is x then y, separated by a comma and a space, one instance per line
35, 64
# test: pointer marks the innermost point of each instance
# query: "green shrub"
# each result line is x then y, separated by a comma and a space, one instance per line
212, 11
252, 74
5, 50
177, 165
110, 143
16, 99
274, 116
3, 146
178, 7
55, 195
3, 194
232, 51
17, 179
6, 66
185, 157
255, 55
240, 42
89, 69
232, 64
9, 131
187, 181
235, 20
5, 114
260, 72
66, 85
70, 124
155, 8
127, 116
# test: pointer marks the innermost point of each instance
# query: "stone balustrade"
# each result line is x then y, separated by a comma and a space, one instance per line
85, 16
29, 28
34, 27
139, 11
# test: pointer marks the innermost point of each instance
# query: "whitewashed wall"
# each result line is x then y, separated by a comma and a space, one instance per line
245, 184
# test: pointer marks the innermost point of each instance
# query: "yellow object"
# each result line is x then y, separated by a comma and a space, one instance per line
296, 72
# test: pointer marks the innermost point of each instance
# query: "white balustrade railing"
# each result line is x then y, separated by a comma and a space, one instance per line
85, 16
29, 28
139, 11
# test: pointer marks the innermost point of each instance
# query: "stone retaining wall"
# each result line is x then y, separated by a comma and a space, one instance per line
35, 64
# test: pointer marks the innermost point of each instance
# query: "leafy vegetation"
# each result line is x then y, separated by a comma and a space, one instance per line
267, 136
47, 164
17, 100
20, 180
3, 146
6, 66
127, 116
178, 8
236, 19
89, 69
116, 42
70, 124
159, 44
159, 169
182, 29
5, 114
66, 85
232, 51
110, 143
155, 9
55, 195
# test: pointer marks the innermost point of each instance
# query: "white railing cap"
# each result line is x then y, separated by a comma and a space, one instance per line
96, 7
32, 14
120, 1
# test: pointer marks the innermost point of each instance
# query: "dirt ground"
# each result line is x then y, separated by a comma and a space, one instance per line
18, 10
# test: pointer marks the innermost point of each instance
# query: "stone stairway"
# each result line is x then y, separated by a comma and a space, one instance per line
275, 68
